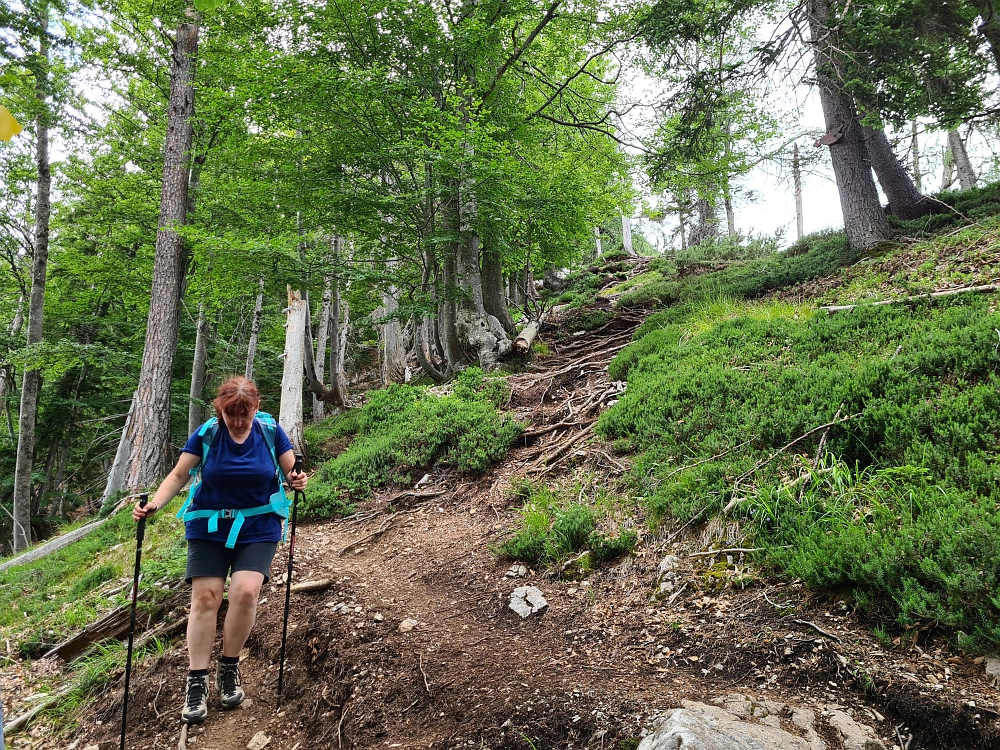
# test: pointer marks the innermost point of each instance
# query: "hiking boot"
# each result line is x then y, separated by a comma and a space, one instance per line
196, 702
228, 684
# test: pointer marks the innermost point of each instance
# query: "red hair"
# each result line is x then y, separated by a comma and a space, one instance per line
237, 397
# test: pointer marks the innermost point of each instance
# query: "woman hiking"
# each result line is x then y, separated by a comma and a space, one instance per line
233, 523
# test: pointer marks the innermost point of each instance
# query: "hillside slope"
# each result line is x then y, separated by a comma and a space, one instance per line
708, 605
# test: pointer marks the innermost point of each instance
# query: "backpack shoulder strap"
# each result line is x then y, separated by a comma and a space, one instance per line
207, 432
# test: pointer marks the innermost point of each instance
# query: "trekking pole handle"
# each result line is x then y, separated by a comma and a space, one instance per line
298, 463
141, 530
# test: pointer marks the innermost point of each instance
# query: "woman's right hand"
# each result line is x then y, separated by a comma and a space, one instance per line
140, 511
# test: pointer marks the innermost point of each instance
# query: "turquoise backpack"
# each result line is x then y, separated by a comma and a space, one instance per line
278, 504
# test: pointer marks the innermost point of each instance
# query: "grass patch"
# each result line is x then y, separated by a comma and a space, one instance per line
716, 387
552, 529
44, 602
407, 429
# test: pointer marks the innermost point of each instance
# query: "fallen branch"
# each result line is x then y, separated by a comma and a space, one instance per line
765, 461
522, 344
420, 664
182, 743
831, 309
19, 722
818, 629
726, 551
386, 526
307, 586
559, 451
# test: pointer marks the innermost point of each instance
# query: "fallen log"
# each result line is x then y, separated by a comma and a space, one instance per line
524, 340
307, 586
19, 722
831, 309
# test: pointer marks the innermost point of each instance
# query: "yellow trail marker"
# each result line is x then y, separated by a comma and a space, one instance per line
9, 127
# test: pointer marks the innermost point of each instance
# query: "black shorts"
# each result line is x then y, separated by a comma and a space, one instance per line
208, 559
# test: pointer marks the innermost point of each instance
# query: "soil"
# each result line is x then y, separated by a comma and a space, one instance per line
592, 670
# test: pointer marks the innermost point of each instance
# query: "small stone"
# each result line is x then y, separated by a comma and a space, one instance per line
668, 564
258, 741
407, 625
247, 703
92, 747
932, 679
993, 670
527, 601
516, 571
378, 617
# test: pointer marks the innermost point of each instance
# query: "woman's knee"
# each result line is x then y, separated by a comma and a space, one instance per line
243, 595
206, 598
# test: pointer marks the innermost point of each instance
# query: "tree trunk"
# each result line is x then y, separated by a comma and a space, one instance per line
730, 216
119, 467
322, 336
797, 182
32, 379
448, 315
149, 456
915, 156
966, 175
627, 235
494, 300
258, 314
708, 223
905, 201
340, 324
864, 221
597, 241
947, 169
7, 370
196, 407
990, 27
290, 410
393, 348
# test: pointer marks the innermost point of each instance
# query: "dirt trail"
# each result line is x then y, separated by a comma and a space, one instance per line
591, 670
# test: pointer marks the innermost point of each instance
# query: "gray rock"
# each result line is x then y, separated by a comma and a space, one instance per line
527, 601
668, 567
854, 736
259, 741
407, 625
698, 726
993, 670
516, 571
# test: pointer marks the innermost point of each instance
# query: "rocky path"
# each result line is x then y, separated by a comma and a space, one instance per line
413, 644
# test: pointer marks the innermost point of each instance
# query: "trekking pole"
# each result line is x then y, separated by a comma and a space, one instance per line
288, 581
140, 532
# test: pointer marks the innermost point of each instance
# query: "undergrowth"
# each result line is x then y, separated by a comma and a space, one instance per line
730, 397
553, 529
405, 430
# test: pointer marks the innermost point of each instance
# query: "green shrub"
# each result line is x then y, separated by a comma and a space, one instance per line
552, 530
718, 408
94, 578
404, 429
587, 320
326, 437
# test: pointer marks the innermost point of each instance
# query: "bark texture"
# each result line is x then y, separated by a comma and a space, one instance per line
290, 410
32, 379
196, 409
797, 182
915, 155
494, 299
258, 314
393, 347
864, 220
990, 27
966, 174
905, 201
340, 321
322, 335
150, 426
707, 226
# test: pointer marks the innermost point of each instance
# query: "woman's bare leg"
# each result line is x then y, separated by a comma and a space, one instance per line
206, 596
244, 590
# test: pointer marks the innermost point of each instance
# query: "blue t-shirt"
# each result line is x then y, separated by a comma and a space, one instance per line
237, 476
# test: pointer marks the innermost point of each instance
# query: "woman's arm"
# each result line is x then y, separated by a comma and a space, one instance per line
297, 480
169, 487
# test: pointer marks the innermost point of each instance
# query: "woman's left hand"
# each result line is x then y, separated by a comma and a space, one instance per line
298, 480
